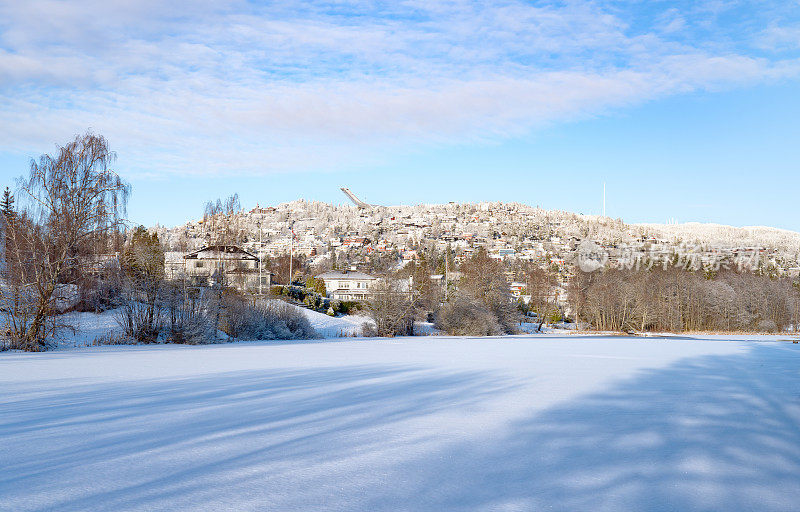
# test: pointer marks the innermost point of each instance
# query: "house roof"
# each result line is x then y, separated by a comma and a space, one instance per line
225, 249
249, 271
346, 274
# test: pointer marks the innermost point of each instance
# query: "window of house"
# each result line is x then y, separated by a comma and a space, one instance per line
198, 264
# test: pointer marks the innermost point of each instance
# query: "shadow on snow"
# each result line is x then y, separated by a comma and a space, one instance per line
707, 433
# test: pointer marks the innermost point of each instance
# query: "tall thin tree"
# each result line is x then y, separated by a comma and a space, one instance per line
74, 202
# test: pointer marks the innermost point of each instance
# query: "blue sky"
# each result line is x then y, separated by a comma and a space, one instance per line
686, 110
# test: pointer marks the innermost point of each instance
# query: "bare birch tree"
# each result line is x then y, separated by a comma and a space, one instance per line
222, 221
73, 202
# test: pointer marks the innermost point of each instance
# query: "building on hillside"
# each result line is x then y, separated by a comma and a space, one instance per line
100, 265
506, 252
229, 265
355, 241
258, 210
410, 255
347, 284
516, 289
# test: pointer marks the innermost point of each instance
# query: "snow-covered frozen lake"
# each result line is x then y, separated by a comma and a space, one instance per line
571, 423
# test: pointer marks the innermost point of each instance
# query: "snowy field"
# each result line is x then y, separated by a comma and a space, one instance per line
566, 423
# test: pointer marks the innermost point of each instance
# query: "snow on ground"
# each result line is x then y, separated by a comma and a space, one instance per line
350, 325
533, 328
525, 423
426, 329
335, 326
85, 328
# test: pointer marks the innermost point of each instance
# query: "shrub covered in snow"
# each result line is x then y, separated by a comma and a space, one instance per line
140, 321
187, 315
268, 320
464, 316
392, 309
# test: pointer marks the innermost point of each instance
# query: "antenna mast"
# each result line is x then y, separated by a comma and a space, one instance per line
604, 199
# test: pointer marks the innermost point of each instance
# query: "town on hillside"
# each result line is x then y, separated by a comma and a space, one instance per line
321, 238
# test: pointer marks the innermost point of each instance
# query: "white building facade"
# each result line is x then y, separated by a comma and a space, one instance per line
348, 285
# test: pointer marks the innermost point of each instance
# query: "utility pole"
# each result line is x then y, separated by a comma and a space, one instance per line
291, 251
260, 245
447, 272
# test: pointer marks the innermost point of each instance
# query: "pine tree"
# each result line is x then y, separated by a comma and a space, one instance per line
7, 203
143, 257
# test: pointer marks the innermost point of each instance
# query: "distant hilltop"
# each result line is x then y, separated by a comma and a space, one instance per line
507, 230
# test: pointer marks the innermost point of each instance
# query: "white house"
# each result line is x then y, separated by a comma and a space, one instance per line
235, 266
347, 284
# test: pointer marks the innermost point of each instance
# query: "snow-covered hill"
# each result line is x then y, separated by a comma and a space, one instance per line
522, 230
725, 236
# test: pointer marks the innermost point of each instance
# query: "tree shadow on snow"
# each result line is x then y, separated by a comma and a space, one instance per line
709, 433
706, 433
224, 430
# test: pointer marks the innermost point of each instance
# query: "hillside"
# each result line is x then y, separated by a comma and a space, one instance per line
507, 230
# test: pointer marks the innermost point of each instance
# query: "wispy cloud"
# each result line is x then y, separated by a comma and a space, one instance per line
225, 87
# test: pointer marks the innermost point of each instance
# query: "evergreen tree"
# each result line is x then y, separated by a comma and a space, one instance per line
7, 203
318, 285
142, 264
143, 257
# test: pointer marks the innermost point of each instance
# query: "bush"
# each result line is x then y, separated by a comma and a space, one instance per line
301, 295
555, 316
484, 282
766, 326
173, 314
112, 339
273, 320
369, 330
392, 308
99, 295
187, 316
463, 316
140, 321
346, 307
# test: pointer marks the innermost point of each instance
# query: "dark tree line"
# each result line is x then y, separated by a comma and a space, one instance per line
661, 299
676, 300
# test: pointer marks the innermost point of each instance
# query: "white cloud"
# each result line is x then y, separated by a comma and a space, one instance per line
216, 87
781, 37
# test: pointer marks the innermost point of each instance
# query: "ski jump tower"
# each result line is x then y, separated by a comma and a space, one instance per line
358, 202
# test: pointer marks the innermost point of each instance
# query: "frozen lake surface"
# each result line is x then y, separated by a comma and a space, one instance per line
524, 423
